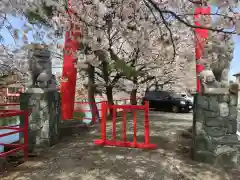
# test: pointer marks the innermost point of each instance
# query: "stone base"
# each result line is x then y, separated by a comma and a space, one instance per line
217, 152
3, 164
215, 129
44, 117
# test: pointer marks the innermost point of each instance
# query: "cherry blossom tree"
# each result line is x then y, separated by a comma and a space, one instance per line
12, 63
131, 39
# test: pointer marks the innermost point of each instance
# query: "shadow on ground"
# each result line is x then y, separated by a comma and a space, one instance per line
76, 157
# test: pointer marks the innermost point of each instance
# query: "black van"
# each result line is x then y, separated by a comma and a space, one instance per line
167, 101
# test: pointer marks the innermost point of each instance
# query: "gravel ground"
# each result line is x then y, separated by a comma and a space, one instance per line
76, 157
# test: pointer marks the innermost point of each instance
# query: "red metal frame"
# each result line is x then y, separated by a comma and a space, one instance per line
124, 143
24, 129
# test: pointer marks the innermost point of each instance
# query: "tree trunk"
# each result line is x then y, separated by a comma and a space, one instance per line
106, 76
133, 97
91, 92
109, 88
109, 93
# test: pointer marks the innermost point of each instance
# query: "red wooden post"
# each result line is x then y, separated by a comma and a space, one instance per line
113, 123
124, 126
135, 128
103, 121
146, 122
25, 134
94, 112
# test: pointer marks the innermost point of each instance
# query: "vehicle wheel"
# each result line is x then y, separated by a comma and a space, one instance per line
175, 109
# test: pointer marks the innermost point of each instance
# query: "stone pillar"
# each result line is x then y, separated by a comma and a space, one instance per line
215, 137
44, 117
238, 117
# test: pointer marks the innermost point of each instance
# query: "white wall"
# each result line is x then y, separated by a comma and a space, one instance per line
238, 79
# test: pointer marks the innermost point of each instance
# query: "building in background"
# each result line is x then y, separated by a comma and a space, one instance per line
11, 85
237, 75
13, 71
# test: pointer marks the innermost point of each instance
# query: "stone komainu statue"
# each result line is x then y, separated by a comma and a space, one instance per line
215, 75
40, 66
217, 59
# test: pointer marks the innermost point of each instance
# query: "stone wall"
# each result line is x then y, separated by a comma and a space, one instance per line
215, 127
44, 117
239, 99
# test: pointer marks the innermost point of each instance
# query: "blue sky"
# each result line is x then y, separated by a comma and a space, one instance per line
235, 65
18, 23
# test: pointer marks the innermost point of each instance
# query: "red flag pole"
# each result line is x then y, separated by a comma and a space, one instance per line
200, 36
69, 74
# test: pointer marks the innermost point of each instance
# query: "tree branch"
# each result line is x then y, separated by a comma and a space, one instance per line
166, 25
116, 78
186, 23
149, 78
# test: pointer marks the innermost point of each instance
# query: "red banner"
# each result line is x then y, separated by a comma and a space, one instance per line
69, 76
200, 36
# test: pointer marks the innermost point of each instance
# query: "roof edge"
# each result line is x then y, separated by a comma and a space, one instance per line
237, 74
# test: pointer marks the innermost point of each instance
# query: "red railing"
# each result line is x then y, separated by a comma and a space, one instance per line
94, 111
127, 101
15, 146
124, 143
84, 101
9, 104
